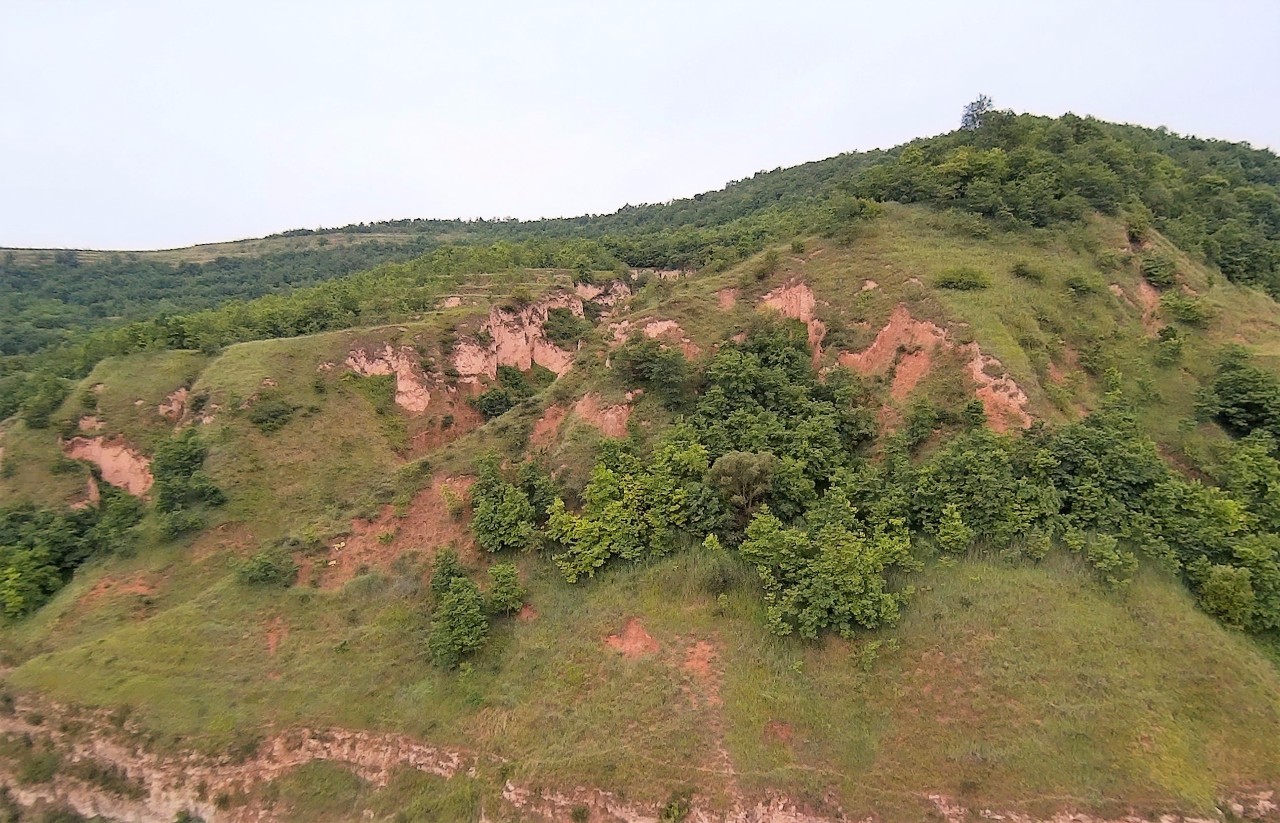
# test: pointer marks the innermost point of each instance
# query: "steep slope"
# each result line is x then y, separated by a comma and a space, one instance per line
1015, 686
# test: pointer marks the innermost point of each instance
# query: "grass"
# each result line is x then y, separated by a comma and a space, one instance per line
1019, 687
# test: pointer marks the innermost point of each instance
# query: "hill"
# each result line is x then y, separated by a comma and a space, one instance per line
882, 509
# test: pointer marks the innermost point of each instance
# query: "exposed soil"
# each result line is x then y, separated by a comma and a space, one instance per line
92, 494
727, 299
120, 465
139, 585
1003, 400
426, 527
610, 420
175, 405
527, 614
610, 294
901, 332
796, 300
1122, 295
670, 331
547, 426
911, 344
447, 403
226, 537
633, 641
451, 302
912, 368
516, 338
699, 663
412, 393
868, 285
191, 782
90, 423
1149, 299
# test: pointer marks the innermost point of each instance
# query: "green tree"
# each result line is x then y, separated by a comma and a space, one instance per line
458, 625
506, 594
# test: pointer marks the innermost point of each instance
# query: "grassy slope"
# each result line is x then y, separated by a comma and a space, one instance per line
1023, 687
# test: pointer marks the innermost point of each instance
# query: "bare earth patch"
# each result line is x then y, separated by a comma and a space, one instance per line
1149, 299
727, 299
175, 405
546, 426
120, 465
527, 614
699, 663
90, 423
776, 731
426, 527
670, 331
610, 420
633, 641
911, 344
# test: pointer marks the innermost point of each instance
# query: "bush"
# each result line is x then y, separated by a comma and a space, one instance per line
564, 328
270, 414
272, 567
1084, 285
1024, 270
962, 278
179, 521
458, 626
505, 595
1186, 309
648, 364
444, 570
1159, 270
503, 519
1227, 594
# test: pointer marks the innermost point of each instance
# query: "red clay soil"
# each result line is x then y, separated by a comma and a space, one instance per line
174, 406
1149, 298
902, 331
633, 641
912, 368
547, 426
112, 587
120, 465
465, 420
699, 662
727, 298
425, 528
610, 420
527, 614
670, 331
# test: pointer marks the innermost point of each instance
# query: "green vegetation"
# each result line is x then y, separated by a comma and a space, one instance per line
815, 568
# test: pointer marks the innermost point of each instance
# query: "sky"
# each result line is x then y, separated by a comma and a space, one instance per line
137, 125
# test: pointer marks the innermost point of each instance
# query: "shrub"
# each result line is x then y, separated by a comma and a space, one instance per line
270, 414
458, 626
954, 537
272, 567
1159, 270
1024, 270
649, 365
1186, 309
506, 594
444, 570
179, 521
503, 518
564, 328
1227, 594
1084, 285
962, 278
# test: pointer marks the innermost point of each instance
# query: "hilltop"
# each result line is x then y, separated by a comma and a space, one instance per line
935, 483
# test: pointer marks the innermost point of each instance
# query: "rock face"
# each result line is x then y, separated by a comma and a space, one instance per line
516, 338
411, 385
609, 294
120, 465
796, 300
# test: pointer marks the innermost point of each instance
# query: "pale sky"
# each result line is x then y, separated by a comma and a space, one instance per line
130, 124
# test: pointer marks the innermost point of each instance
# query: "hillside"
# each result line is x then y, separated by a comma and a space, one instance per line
894, 512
